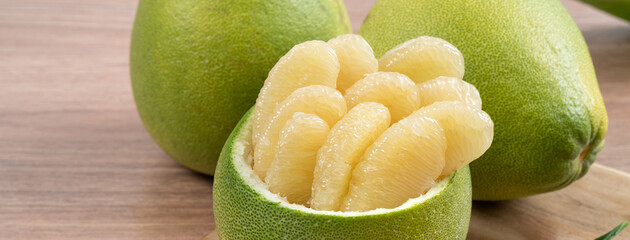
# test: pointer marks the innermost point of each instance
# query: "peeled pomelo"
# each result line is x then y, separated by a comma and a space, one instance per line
308, 63
346, 143
300, 139
424, 58
245, 209
356, 58
534, 74
394, 90
198, 65
369, 176
324, 101
468, 130
401, 164
448, 89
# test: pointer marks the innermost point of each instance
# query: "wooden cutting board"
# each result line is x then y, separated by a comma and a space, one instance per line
586, 209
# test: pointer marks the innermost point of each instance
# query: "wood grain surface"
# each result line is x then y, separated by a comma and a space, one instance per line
76, 162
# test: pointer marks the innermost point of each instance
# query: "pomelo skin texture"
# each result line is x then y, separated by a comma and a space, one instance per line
197, 66
535, 76
244, 212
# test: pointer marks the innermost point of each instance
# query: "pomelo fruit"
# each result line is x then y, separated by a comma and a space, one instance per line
534, 74
394, 90
245, 209
449, 89
197, 66
368, 176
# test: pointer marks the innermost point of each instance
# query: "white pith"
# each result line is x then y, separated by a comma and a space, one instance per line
242, 155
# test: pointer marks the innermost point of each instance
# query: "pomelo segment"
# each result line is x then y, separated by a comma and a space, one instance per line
449, 89
401, 164
245, 209
323, 101
344, 146
291, 172
308, 63
355, 57
469, 132
423, 59
394, 90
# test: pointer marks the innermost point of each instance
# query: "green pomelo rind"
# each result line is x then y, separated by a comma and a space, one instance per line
535, 76
197, 66
242, 211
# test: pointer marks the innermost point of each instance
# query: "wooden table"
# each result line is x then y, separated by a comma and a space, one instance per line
76, 162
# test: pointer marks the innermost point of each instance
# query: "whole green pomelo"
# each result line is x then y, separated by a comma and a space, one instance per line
619, 8
197, 66
535, 76
245, 209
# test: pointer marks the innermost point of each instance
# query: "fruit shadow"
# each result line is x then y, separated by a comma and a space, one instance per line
502, 220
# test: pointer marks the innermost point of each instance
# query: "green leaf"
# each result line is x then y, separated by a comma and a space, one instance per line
613, 232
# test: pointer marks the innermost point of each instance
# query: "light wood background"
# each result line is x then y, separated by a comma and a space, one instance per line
76, 162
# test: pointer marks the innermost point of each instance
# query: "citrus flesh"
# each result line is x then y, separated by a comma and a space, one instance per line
423, 59
355, 57
244, 208
449, 89
346, 143
401, 164
396, 91
468, 130
308, 63
324, 101
387, 148
299, 140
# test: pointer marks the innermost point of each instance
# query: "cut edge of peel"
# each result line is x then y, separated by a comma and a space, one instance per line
241, 156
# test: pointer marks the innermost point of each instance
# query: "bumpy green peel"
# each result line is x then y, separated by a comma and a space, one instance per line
197, 65
533, 70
